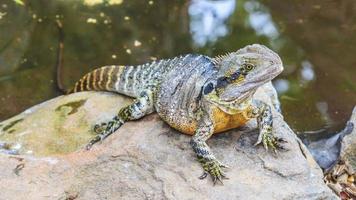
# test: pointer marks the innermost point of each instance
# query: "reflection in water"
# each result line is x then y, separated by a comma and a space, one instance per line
208, 19
307, 72
261, 20
323, 110
97, 2
2, 14
281, 85
15, 40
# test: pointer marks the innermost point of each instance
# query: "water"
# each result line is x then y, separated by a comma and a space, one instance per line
316, 40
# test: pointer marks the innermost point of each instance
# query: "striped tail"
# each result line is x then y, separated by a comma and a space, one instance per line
101, 79
127, 80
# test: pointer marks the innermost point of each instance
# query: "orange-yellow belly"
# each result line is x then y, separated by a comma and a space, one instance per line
222, 122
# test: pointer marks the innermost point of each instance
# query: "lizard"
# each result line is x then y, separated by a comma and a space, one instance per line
196, 95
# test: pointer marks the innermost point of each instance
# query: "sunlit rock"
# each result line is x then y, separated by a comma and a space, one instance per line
145, 159
58, 126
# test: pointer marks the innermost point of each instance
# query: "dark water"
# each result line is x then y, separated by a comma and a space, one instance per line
316, 40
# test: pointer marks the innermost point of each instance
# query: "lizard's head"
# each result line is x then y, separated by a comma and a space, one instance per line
240, 73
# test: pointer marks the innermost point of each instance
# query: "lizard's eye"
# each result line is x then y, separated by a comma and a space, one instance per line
248, 67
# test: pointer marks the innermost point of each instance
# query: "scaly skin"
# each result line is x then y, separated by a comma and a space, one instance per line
196, 95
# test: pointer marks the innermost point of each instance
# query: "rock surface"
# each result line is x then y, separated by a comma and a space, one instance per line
327, 151
348, 144
145, 159
341, 177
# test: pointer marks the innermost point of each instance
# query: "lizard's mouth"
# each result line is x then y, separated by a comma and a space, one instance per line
240, 93
232, 106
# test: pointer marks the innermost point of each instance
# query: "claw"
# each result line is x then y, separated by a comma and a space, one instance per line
259, 140
214, 180
281, 140
275, 151
93, 141
278, 146
90, 144
214, 168
204, 175
218, 178
271, 142
224, 166
223, 175
265, 145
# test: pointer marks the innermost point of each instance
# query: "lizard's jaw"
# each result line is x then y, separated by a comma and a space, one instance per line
240, 93
234, 106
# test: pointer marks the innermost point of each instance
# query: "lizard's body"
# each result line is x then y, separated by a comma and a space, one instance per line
194, 94
176, 77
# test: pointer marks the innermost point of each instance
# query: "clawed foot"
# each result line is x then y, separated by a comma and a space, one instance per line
272, 142
99, 129
214, 168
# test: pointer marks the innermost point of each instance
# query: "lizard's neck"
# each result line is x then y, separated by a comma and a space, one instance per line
231, 107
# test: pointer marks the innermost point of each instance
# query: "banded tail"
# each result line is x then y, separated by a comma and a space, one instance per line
128, 80
102, 79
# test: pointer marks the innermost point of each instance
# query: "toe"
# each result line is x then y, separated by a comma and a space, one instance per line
281, 140
204, 175
222, 165
265, 144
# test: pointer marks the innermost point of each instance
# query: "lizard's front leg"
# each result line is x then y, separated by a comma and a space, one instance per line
141, 107
264, 116
208, 161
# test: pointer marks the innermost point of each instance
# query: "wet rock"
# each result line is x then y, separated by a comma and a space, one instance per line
327, 151
145, 159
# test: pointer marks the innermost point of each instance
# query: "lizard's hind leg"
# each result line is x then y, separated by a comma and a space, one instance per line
141, 107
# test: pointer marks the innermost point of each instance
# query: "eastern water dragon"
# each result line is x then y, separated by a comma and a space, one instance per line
195, 94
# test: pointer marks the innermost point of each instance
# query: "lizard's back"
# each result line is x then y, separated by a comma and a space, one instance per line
179, 94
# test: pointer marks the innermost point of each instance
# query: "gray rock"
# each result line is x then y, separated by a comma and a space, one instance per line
145, 159
340, 177
348, 144
327, 151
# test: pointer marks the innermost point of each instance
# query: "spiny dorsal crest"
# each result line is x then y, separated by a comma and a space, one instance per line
217, 59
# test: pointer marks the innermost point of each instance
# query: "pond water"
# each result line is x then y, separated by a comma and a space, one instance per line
316, 40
